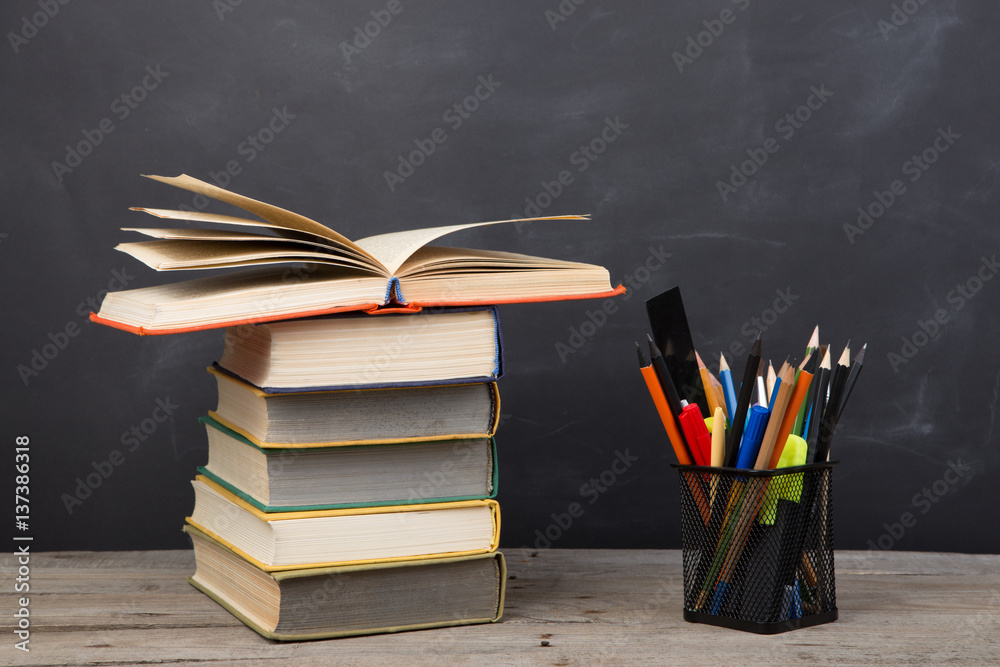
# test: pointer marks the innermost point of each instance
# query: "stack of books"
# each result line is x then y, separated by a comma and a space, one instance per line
353, 455
352, 469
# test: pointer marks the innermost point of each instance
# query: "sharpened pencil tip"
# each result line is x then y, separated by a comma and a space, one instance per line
814, 339
845, 357
701, 364
642, 360
860, 359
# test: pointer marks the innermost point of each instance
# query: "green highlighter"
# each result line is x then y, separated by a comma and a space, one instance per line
786, 487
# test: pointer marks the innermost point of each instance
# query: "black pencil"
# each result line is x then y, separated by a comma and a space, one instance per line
821, 381
829, 423
742, 405
851, 379
663, 375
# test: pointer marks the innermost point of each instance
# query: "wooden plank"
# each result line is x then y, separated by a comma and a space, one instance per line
593, 606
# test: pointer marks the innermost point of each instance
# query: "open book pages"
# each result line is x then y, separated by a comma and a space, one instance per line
331, 273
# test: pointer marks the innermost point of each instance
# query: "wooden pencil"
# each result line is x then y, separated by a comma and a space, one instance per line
775, 420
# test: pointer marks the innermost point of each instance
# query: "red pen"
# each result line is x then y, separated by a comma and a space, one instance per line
697, 435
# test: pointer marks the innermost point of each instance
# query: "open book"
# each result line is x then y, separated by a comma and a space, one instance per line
336, 274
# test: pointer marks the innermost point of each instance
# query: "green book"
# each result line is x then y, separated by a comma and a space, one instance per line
297, 479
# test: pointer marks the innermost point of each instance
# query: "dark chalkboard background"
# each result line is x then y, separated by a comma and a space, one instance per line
224, 69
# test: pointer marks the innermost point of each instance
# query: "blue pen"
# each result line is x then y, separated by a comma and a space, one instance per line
752, 437
726, 378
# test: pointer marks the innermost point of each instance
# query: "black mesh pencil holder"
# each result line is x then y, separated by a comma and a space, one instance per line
758, 547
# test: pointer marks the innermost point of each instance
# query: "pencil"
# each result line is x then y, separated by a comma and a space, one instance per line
660, 401
718, 437
829, 422
771, 379
851, 379
801, 415
742, 405
726, 377
706, 380
822, 382
796, 401
663, 375
775, 421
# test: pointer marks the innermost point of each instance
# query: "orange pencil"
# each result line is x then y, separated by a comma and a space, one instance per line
660, 400
673, 433
798, 396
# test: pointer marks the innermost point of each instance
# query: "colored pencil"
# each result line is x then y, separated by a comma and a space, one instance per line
796, 401
742, 405
666, 416
726, 378
772, 377
706, 381
801, 414
774, 422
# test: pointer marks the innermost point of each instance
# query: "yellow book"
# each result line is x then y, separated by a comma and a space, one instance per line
356, 416
286, 540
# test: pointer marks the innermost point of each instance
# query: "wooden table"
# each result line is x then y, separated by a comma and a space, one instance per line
564, 607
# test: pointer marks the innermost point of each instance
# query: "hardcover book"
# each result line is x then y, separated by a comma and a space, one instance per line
287, 540
350, 350
356, 416
284, 480
398, 269
327, 602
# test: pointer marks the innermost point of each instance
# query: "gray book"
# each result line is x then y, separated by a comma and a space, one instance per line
326, 602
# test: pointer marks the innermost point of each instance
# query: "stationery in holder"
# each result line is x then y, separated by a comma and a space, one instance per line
767, 565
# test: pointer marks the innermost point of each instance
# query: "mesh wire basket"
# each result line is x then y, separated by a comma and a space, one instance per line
758, 547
